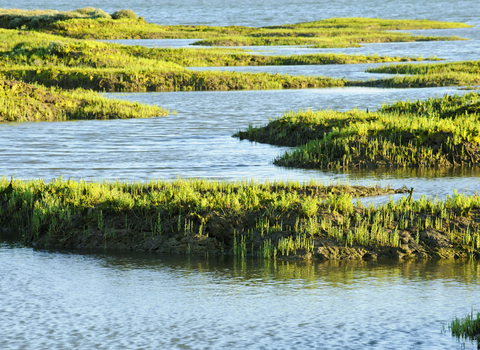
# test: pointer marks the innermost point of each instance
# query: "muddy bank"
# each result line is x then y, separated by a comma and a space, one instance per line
277, 221
280, 236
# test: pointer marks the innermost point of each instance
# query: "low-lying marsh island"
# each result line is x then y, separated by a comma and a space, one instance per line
281, 220
31, 51
90, 23
438, 132
466, 73
31, 102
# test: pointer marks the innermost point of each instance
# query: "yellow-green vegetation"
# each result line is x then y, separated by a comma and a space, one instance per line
69, 63
30, 102
336, 32
38, 19
215, 57
467, 327
270, 220
437, 132
429, 75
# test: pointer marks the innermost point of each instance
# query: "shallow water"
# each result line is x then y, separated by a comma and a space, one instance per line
59, 300
198, 142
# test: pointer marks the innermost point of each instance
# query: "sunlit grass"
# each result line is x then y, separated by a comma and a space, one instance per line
32, 102
429, 75
436, 132
335, 32
244, 218
466, 327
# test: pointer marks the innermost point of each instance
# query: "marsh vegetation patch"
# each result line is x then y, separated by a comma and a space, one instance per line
282, 220
31, 102
438, 132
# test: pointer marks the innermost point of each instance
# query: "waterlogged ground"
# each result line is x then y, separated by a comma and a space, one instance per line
58, 300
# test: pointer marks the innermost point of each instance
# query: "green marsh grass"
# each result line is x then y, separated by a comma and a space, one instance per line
466, 327
106, 67
243, 218
465, 73
31, 102
438, 132
70, 63
335, 32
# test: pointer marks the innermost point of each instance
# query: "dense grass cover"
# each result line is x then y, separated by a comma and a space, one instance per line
270, 220
71, 63
437, 132
38, 19
214, 57
430, 75
29, 102
335, 32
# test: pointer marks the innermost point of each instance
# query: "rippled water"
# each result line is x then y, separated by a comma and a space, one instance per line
198, 142
61, 300
65, 300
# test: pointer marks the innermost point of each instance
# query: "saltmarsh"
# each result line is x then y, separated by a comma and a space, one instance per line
31, 102
429, 75
336, 32
70, 63
279, 220
438, 132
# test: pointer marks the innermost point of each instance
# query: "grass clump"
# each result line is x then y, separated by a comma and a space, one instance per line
29, 102
279, 220
120, 14
38, 19
429, 75
439, 132
467, 327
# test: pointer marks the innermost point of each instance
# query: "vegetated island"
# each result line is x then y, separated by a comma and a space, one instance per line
465, 73
32, 102
438, 132
90, 23
68, 63
280, 220
53, 60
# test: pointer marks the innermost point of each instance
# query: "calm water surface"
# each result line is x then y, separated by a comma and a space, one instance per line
61, 300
